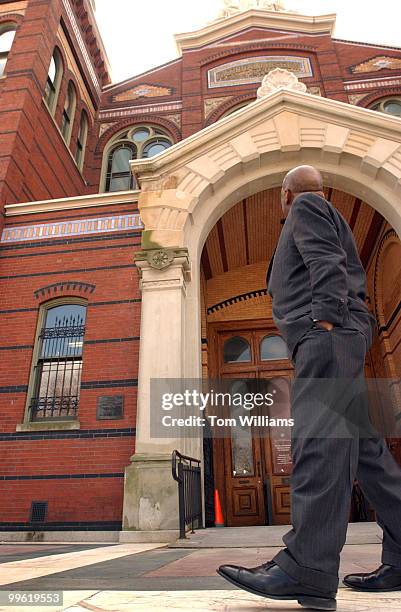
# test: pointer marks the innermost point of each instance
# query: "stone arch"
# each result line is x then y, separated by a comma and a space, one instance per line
188, 187
252, 151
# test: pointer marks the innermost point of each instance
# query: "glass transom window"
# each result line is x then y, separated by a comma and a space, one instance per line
236, 350
390, 106
273, 347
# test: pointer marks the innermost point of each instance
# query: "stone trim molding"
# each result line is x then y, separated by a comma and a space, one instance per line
86, 201
220, 29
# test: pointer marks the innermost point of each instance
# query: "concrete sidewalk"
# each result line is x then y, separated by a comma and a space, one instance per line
155, 577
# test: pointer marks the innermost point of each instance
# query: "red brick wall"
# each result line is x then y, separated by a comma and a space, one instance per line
109, 368
35, 162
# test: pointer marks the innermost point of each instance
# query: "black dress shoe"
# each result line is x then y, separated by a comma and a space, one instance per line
269, 580
385, 578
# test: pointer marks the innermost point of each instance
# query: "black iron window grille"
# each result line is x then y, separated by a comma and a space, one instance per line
59, 366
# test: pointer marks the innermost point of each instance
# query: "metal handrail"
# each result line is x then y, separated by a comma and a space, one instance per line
187, 472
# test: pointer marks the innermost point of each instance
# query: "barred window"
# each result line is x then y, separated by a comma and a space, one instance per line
57, 371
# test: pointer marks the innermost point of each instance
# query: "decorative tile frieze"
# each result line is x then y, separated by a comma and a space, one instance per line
380, 62
142, 91
71, 228
253, 69
372, 84
140, 110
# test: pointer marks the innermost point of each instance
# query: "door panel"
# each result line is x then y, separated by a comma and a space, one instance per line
254, 480
243, 471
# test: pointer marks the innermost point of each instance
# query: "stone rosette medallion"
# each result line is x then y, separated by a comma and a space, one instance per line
279, 79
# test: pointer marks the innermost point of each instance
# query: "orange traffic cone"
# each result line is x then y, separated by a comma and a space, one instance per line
218, 515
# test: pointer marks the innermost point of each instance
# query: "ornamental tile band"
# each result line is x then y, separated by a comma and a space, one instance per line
71, 228
253, 69
149, 108
371, 84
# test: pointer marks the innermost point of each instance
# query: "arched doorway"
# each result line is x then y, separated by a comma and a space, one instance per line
186, 190
240, 342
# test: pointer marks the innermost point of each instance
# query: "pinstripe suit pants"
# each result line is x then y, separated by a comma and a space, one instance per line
329, 452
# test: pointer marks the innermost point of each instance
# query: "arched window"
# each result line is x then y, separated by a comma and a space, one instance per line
137, 142
53, 81
56, 376
119, 176
68, 112
236, 350
7, 33
273, 347
81, 140
390, 106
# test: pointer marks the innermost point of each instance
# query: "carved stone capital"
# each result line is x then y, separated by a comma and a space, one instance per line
163, 258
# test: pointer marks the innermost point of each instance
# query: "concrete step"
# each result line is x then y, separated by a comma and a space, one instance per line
266, 536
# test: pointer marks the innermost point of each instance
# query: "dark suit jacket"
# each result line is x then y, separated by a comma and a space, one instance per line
317, 273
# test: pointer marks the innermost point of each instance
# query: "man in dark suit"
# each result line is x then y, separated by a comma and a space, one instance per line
318, 287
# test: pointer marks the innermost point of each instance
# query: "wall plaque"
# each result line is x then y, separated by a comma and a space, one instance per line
281, 451
110, 407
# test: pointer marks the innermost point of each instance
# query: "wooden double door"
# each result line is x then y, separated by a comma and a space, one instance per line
252, 464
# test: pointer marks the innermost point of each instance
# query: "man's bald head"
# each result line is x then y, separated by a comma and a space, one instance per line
303, 178
300, 180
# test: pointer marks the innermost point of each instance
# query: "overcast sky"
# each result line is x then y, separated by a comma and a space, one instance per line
140, 35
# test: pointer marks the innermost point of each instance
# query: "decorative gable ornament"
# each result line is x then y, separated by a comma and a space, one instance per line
142, 91
279, 79
238, 6
380, 62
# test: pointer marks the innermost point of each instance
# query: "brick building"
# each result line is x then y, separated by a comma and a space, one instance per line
96, 300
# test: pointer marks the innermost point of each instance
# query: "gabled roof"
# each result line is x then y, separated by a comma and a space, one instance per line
221, 28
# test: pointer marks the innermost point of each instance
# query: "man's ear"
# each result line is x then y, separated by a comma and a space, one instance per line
288, 197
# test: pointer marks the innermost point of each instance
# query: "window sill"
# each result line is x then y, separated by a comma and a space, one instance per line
48, 425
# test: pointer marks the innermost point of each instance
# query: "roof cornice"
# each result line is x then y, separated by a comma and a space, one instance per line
254, 18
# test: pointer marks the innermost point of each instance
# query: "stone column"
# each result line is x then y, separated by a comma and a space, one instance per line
150, 493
